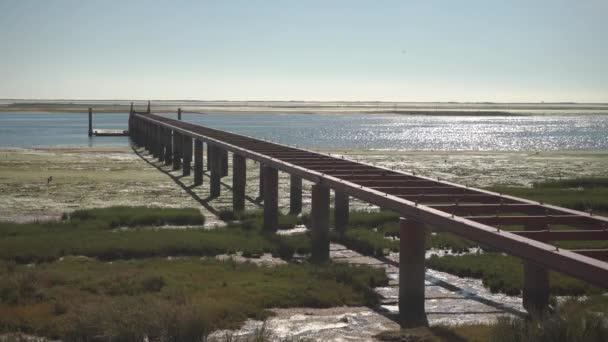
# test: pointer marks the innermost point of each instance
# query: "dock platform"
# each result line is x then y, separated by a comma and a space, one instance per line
110, 133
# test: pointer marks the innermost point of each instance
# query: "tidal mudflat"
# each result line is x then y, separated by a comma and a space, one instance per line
101, 177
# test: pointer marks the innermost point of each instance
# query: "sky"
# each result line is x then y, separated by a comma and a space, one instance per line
325, 50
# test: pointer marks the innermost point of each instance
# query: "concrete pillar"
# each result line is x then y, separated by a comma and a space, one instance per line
198, 162
209, 159
341, 211
271, 198
187, 155
536, 283
224, 163
179, 114
168, 146
261, 195
319, 223
239, 181
177, 151
411, 274
295, 195
215, 173
90, 122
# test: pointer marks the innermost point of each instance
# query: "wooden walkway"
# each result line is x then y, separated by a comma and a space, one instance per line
468, 212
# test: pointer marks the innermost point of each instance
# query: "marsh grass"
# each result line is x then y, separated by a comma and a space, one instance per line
579, 193
89, 233
254, 219
575, 321
139, 243
371, 233
185, 298
472, 333
502, 273
119, 216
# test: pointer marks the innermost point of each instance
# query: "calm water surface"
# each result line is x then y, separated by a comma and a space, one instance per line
349, 131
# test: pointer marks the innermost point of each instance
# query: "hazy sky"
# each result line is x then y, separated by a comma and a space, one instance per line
305, 50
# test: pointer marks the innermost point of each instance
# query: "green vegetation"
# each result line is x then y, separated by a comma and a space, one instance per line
367, 242
580, 193
73, 294
370, 232
144, 243
89, 233
471, 333
574, 321
119, 216
82, 299
502, 273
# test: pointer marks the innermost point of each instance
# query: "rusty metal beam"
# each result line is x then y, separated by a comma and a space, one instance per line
564, 235
424, 190
600, 254
379, 183
367, 176
532, 220
450, 198
477, 209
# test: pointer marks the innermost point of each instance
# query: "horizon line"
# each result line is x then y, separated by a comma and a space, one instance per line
310, 101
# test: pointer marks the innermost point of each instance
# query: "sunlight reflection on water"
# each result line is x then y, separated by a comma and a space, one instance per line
348, 131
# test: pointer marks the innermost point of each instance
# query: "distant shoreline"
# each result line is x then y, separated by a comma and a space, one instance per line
300, 111
304, 107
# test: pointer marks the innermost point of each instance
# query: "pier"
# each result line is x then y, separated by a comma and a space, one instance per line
472, 213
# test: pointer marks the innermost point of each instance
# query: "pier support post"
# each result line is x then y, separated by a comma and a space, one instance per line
239, 180
271, 198
161, 143
224, 162
158, 143
148, 139
144, 129
198, 162
411, 274
341, 211
179, 114
158, 138
536, 284
295, 194
151, 139
319, 222
261, 186
168, 146
209, 159
214, 190
187, 155
90, 122
177, 150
